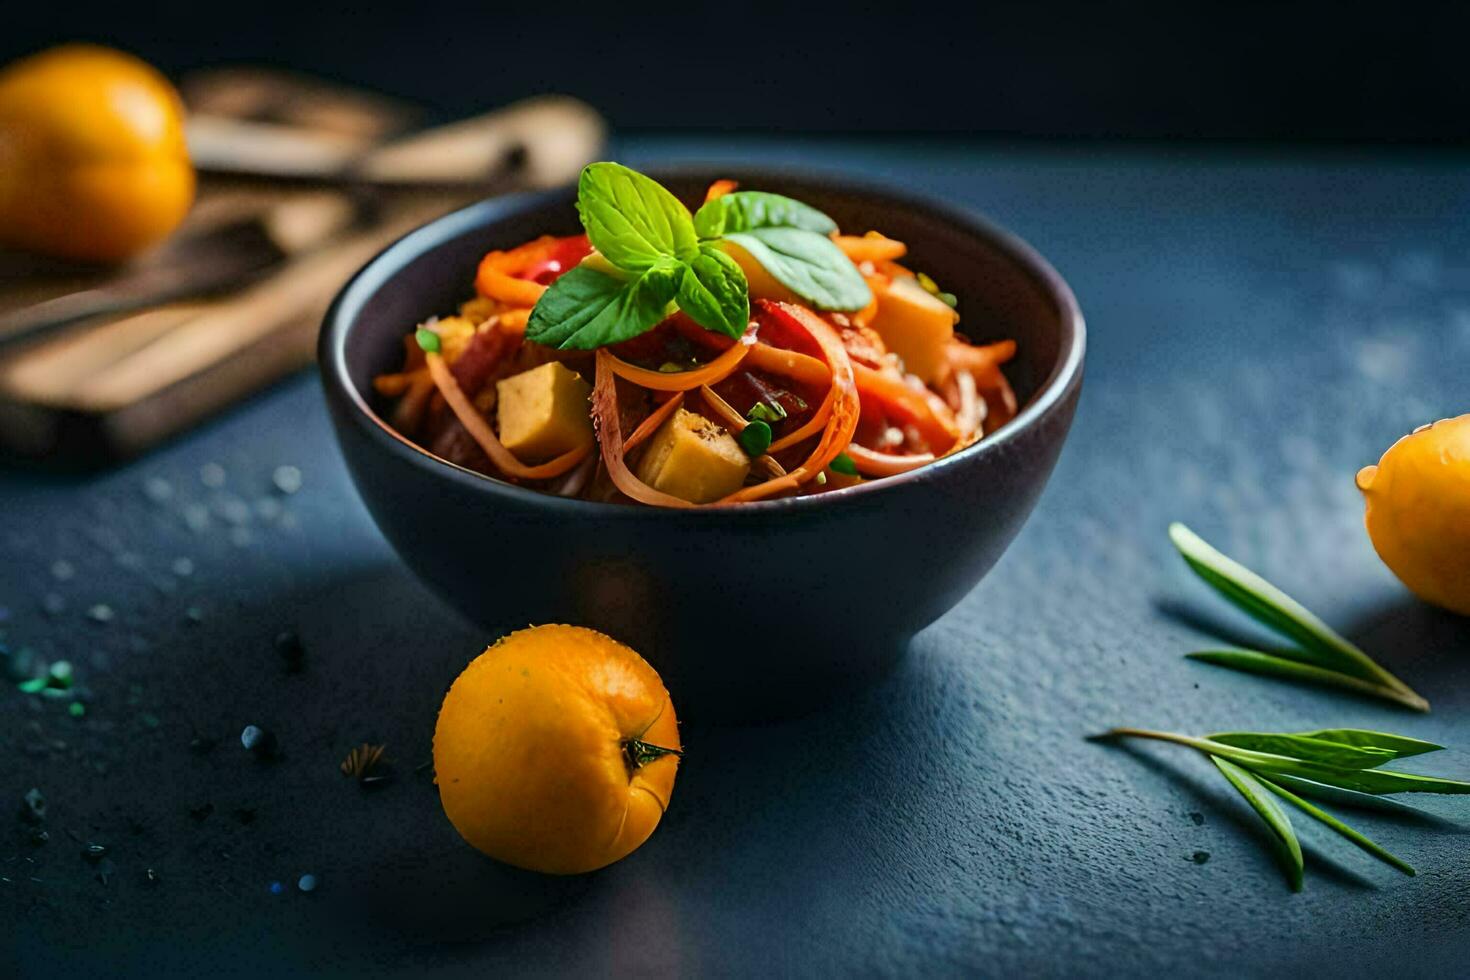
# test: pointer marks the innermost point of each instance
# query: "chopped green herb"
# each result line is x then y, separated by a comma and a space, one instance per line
669, 367
33, 685
768, 412
821, 479
843, 464
755, 439
428, 340
932, 287
77, 709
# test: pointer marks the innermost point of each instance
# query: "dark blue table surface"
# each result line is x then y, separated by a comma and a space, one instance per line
1260, 327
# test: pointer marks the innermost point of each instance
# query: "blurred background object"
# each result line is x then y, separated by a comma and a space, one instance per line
302, 180
1063, 69
350, 125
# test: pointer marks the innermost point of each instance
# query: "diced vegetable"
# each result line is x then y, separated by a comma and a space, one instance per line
762, 284
544, 412
917, 326
693, 459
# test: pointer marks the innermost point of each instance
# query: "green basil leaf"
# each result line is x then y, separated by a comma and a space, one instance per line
631, 219
1345, 797
1320, 644
1273, 665
585, 309
1307, 749
808, 264
714, 293
1327, 819
1400, 745
1260, 799
745, 210
1368, 780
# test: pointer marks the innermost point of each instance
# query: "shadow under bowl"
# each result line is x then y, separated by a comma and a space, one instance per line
748, 612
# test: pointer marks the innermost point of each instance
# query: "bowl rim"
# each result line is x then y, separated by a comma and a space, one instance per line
357, 293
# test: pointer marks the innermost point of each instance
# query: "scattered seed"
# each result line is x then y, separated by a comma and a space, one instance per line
61, 675
62, 570
287, 479
158, 490
33, 806
307, 883
151, 877
94, 852
1197, 817
1200, 857
212, 475
39, 837
196, 517
101, 613
182, 567
277, 888
364, 764
261, 742
234, 510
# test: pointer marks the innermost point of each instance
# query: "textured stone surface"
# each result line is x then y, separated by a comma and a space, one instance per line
1259, 329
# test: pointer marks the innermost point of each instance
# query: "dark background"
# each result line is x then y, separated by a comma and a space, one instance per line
1239, 71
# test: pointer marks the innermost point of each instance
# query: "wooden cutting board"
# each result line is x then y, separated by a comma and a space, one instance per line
110, 387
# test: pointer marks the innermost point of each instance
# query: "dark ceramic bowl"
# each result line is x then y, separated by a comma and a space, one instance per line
757, 610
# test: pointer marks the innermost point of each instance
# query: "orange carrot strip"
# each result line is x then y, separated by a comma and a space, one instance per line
733, 419
393, 385
871, 247
844, 416
980, 359
709, 373
513, 322
924, 409
481, 432
792, 364
719, 189
496, 277
872, 463
605, 416
655, 419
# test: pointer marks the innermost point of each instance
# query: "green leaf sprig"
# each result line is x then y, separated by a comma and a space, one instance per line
653, 256
1339, 764
1321, 656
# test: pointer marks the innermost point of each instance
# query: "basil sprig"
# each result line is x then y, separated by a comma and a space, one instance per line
656, 257
1341, 765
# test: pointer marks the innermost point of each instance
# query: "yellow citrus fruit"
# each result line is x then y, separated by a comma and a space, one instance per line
93, 164
556, 750
1418, 511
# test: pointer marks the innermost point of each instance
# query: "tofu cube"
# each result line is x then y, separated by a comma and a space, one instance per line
916, 325
544, 412
694, 459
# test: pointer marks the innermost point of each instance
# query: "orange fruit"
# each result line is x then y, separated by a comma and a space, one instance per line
93, 164
1418, 511
556, 750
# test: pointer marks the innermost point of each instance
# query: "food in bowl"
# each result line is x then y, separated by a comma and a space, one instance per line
743, 352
